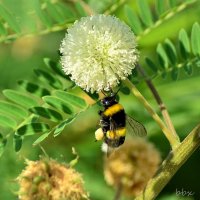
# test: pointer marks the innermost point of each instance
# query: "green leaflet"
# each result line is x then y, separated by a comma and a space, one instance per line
41, 138
133, 20
172, 3
125, 90
162, 56
62, 125
151, 64
48, 78
160, 7
31, 22
47, 113
184, 44
33, 88
71, 98
53, 12
32, 128
9, 18
20, 98
3, 142
2, 30
17, 142
42, 14
34, 119
174, 73
195, 39
80, 9
197, 63
188, 68
145, 12
55, 67
12, 109
65, 10
6, 121
59, 104
171, 52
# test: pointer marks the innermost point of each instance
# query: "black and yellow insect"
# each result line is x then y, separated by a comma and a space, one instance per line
114, 123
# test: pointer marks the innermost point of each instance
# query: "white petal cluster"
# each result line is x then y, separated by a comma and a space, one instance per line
98, 51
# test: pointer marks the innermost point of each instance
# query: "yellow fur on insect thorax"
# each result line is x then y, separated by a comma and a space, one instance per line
113, 109
121, 132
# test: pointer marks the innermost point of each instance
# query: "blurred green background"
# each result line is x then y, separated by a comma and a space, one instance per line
18, 58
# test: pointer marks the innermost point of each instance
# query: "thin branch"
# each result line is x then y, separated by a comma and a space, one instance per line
118, 192
159, 101
55, 28
114, 7
171, 164
174, 142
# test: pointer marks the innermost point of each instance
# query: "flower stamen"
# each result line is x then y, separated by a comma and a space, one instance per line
98, 51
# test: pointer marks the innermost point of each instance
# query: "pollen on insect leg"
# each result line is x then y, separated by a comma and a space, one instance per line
99, 135
110, 134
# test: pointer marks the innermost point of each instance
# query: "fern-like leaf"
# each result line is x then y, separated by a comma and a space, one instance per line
50, 15
147, 19
173, 57
33, 110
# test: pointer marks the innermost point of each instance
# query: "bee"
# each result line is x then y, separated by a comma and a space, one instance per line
114, 123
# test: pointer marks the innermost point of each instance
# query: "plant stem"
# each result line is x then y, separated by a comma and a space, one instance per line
171, 164
118, 192
159, 101
112, 8
174, 141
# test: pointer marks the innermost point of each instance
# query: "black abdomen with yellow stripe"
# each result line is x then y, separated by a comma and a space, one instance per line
113, 122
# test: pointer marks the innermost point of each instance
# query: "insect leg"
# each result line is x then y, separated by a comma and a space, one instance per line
100, 112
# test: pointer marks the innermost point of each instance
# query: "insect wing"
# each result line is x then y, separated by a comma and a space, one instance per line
134, 127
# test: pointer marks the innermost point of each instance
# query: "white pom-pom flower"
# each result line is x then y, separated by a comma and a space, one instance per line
98, 51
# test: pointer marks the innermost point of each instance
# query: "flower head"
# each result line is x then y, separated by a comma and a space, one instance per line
50, 180
132, 165
98, 51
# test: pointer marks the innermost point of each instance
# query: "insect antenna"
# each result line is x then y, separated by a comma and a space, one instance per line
112, 93
103, 92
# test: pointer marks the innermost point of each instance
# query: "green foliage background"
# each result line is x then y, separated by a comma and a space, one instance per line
19, 56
